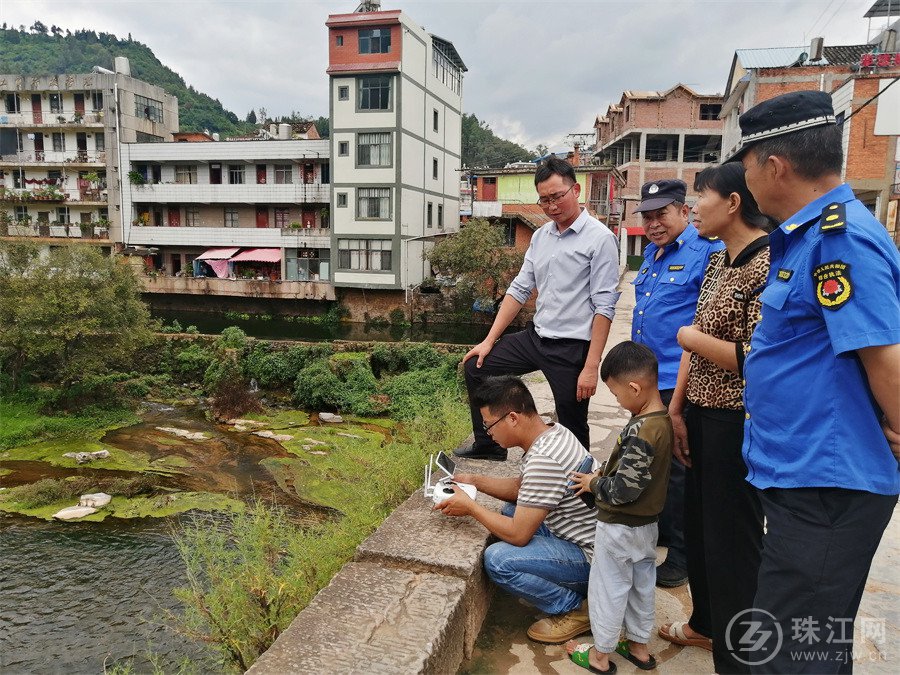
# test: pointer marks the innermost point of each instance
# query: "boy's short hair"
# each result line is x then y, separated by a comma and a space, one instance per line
629, 359
504, 393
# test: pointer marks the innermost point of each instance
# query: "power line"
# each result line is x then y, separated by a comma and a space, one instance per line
893, 82
812, 28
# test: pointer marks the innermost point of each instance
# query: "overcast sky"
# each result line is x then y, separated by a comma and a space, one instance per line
537, 70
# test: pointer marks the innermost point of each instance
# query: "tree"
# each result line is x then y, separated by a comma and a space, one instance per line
251, 117
477, 254
482, 148
68, 315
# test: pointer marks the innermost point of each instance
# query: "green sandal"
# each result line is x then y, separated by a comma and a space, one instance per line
622, 649
581, 657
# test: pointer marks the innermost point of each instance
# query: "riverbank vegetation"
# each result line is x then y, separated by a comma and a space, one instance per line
79, 354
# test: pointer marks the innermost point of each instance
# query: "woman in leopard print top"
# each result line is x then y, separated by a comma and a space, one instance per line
723, 518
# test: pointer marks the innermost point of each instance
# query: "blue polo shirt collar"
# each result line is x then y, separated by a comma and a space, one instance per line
575, 227
813, 210
690, 234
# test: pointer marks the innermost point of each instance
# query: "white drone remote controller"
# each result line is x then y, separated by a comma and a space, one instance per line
443, 489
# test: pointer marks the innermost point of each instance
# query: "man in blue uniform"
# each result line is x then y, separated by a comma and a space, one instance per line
666, 291
822, 391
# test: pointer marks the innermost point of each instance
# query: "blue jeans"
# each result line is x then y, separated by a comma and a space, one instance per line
549, 572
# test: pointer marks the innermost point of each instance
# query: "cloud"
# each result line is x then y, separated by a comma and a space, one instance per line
537, 70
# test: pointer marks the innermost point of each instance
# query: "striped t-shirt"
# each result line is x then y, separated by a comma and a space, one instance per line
545, 472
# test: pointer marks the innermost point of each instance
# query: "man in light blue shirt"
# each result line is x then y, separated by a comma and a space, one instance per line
665, 292
573, 262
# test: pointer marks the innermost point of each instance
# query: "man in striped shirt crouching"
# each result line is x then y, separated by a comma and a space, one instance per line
546, 532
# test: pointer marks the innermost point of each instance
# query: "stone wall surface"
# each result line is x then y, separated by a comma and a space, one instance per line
412, 600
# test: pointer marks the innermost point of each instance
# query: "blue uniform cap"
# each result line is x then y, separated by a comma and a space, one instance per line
783, 114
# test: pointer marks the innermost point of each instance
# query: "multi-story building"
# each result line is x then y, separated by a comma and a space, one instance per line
395, 108
59, 139
651, 135
243, 218
854, 75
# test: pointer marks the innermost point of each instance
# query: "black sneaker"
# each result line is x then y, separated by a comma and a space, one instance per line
669, 576
495, 454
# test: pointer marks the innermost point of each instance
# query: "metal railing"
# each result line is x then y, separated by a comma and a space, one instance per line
56, 230
64, 118
55, 157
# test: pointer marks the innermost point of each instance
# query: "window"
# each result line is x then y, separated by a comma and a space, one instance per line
186, 175
282, 217
341, 199
20, 213
710, 111
148, 108
55, 176
364, 254
428, 214
374, 92
434, 168
434, 119
325, 173
284, 174
443, 68
96, 100
100, 142
55, 103
339, 40
141, 137
59, 142
12, 103
192, 217
343, 93
373, 203
627, 112
374, 40
440, 216
236, 174
373, 149
343, 148
231, 218
62, 214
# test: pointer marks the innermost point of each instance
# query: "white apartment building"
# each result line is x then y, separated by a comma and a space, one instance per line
396, 110
59, 139
262, 203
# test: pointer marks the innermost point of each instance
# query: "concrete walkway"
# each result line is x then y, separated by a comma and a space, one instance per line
503, 647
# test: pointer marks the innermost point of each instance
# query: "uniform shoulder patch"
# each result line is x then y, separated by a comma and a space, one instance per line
834, 218
833, 285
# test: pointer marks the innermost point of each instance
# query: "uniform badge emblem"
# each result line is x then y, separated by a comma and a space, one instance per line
653, 189
785, 275
833, 286
676, 268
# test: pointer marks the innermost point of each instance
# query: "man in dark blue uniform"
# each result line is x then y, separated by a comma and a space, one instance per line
822, 391
665, 292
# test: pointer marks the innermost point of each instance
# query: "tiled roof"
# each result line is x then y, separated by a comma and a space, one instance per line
781, 57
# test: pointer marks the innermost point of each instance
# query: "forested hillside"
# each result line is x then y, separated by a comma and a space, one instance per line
49, 50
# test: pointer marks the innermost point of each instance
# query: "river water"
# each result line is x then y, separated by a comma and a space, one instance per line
282, 329
75, 595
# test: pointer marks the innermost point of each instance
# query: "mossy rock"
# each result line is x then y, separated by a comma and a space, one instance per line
158, 506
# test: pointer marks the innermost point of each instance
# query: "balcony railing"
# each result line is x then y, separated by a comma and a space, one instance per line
55, 157
57, 230
51, 119
226, 193
248, 288
277, 237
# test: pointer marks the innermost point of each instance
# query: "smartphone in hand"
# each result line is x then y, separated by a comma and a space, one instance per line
587, 464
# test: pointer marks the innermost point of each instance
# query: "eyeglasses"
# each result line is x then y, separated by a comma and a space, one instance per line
552, 199
487, 427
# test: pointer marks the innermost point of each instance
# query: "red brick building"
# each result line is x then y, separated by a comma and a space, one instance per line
853, 75
651, 135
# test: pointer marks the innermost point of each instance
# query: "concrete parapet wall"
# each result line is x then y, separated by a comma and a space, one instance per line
412, 600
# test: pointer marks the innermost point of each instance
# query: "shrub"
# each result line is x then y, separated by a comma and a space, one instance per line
358, 393
413, 392
191, 363
397, 317
232, 338
270, 369
48, 491
388, 359
300, 356
317, 387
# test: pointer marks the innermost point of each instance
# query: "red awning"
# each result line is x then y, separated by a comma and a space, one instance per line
269, 255
218, 254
